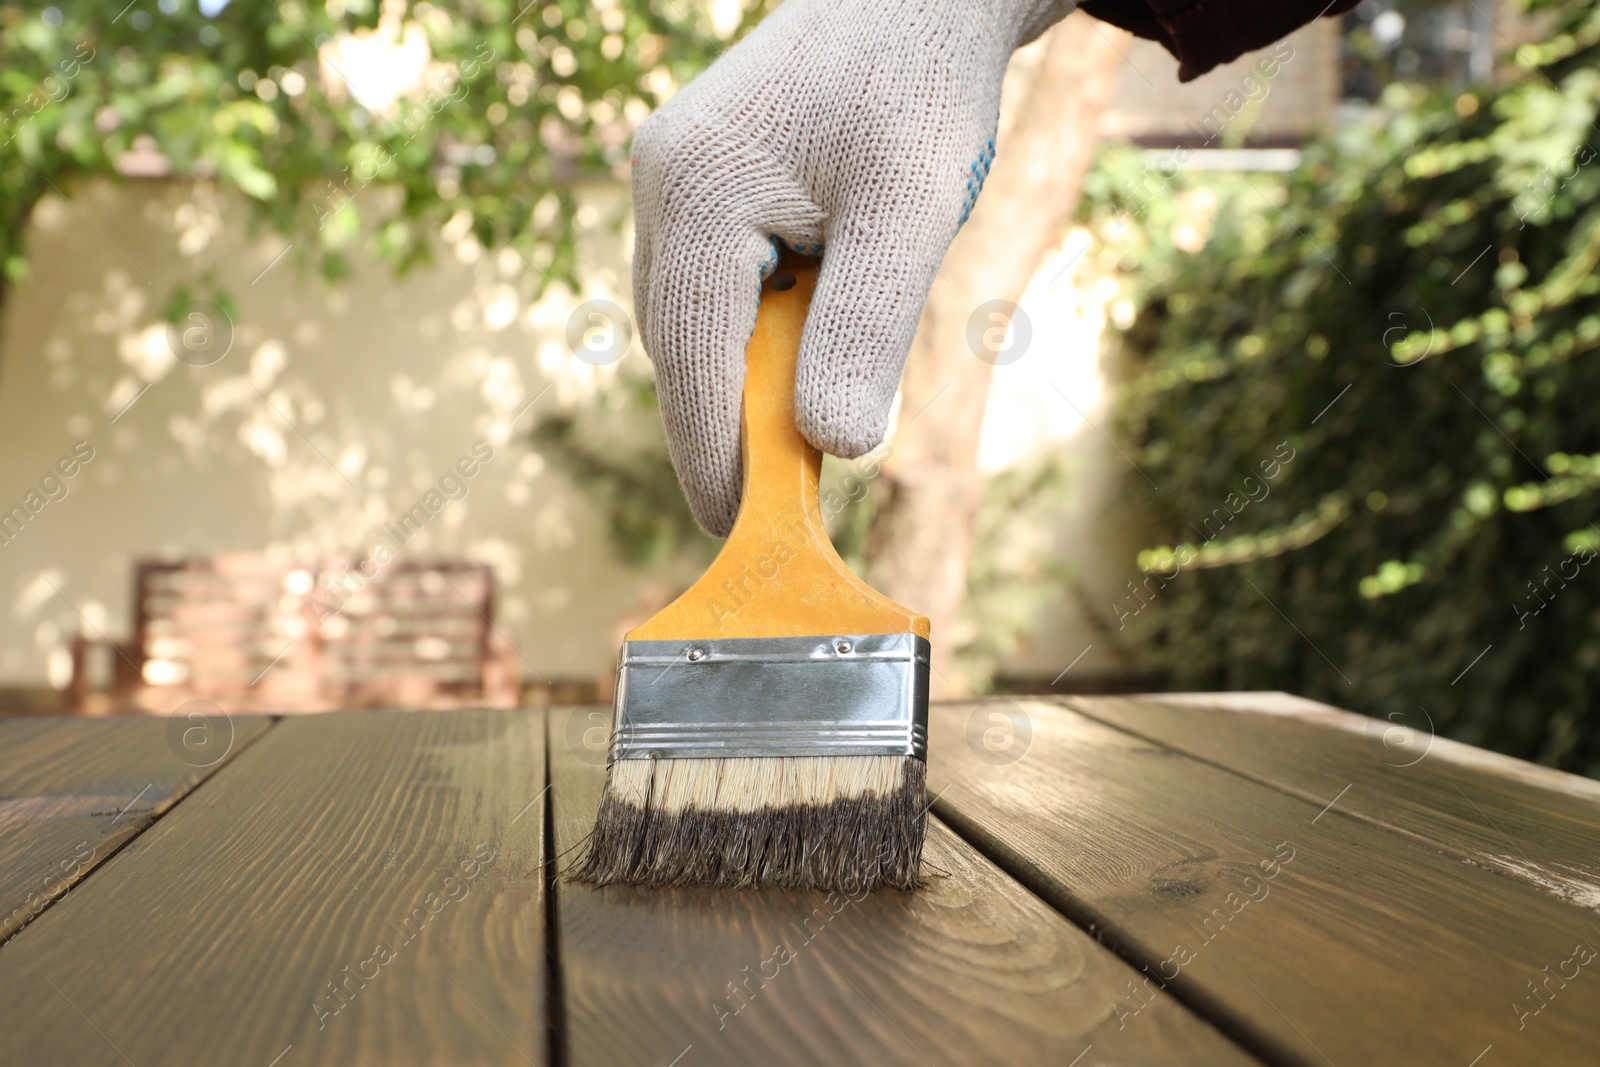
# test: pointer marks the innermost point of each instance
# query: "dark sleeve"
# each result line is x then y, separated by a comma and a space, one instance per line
1205, 33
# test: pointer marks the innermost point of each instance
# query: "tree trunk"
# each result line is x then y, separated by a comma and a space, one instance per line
921, 540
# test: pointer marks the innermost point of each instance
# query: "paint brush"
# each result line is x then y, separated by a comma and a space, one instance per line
770, 726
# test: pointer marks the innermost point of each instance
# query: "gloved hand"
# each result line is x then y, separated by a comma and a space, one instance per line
866, 126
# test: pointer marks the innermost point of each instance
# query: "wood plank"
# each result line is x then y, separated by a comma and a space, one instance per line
970, 970
1345, 943
73, 791
361, 888
1531, 823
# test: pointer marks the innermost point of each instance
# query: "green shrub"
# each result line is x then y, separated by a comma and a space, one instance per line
1415, 313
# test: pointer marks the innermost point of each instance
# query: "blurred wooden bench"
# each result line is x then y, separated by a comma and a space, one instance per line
254, 633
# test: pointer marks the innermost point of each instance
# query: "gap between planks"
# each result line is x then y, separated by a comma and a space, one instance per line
1307, 796
1084, 908
952, 820
140, 830
1105, 933
1099, 927
395, 798
717, 923
555, 998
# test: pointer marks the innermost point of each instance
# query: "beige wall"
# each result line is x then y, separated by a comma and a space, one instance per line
388, 380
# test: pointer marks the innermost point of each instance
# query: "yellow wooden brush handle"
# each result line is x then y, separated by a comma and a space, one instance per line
778, 574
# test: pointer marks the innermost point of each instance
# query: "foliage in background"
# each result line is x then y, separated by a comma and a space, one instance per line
1011, 577
1014, 575
517, 101
617, 454
1415, 312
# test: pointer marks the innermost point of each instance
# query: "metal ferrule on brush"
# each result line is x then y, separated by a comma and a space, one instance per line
835, 695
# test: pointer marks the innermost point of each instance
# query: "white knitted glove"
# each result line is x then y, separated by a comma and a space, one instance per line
863, 125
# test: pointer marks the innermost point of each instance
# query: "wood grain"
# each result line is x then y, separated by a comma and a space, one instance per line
361, 888
72, 791
971, 970
1364, 945
1531, 823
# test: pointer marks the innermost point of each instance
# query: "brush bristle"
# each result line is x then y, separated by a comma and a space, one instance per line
847, 823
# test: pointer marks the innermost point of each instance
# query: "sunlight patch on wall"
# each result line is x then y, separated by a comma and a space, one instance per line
1044, 396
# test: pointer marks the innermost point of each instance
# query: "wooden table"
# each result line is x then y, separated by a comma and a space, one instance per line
1222, 879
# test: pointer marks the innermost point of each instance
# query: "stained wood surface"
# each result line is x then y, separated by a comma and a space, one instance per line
1309, 899
72, 791
245, 927
1528, 822
1365, 946
971, 970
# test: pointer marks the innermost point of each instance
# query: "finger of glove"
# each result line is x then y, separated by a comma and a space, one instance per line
697, 307
868, 300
